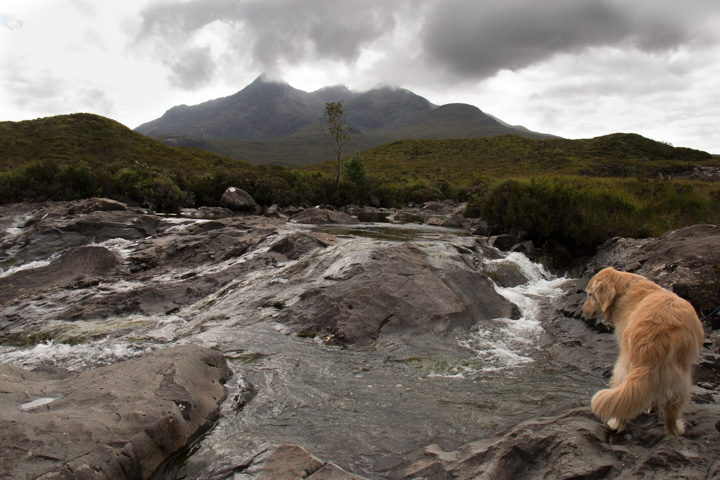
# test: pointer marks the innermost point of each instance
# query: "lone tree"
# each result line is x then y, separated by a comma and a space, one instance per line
335, 128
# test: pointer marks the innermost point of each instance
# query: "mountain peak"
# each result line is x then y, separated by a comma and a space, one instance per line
265, 78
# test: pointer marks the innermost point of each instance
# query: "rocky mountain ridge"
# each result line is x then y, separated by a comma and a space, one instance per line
268, 110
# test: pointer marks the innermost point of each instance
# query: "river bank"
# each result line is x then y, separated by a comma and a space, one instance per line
363, 343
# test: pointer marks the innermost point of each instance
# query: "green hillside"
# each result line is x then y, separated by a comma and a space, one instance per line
96, 142
82, 155
467, 161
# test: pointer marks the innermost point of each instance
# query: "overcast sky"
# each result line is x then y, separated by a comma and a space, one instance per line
574, 68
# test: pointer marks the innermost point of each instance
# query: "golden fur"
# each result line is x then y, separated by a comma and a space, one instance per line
659, 336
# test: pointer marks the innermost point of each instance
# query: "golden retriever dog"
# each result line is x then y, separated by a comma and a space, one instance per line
659, 336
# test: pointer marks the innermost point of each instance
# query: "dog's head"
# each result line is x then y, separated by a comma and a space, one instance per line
600, 292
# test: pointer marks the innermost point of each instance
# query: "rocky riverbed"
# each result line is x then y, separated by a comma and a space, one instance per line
309, 344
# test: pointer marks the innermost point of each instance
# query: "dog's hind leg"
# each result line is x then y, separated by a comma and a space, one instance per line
620, 371
673, 417
617, 425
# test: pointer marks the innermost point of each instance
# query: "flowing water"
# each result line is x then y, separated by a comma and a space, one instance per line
364, 408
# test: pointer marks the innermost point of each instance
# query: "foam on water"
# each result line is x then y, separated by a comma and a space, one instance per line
15, 228
507, 343
120, 246
27, 266
74, 358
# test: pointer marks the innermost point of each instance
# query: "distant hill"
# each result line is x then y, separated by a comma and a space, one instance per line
471, 160
273, 123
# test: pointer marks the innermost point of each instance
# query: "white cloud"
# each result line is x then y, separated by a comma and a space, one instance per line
10, 22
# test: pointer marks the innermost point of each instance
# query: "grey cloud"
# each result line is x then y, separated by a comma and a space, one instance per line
193, 70
95, 101
49, 94
480, 38
173, 21
458, 39
294, 31
271, 31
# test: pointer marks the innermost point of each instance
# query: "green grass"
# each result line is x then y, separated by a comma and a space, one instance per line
97, 142
465, 162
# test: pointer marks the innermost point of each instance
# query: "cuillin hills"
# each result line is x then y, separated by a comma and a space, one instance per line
273, 123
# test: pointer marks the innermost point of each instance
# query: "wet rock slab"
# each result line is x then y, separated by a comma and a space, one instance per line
396, 291
119, 421
79, 266
51, 228
575, 445
276, 462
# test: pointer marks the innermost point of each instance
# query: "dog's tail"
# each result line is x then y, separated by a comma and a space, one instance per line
630, 398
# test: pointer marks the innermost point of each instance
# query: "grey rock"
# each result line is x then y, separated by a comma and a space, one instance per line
48, 229
397, 291
208, 213
320, 216
119, 421
201, 244
684, 261
269, 461
237, 199
503, 242
527, 247
299, 244
96, 204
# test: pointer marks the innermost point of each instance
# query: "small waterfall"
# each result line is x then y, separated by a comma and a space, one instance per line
512, 342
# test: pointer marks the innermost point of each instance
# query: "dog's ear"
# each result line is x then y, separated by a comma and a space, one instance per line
605, 293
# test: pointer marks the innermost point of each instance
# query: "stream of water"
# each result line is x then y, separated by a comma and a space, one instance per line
363, 408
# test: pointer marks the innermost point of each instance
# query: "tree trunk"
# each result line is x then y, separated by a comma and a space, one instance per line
339, 168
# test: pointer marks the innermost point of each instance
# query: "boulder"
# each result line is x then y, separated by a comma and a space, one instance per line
299, 244
237, 199
503, 241
446, 207
527, 248
320, 216
396, 291
201, 244
120, 421
685, 261
198, 244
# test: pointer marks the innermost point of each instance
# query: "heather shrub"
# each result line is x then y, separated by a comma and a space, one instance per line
552, 209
